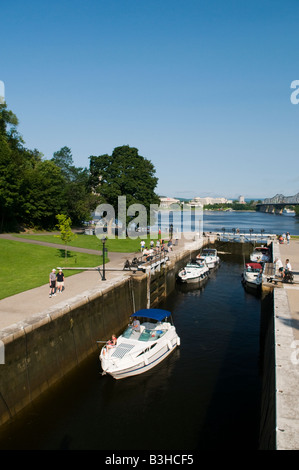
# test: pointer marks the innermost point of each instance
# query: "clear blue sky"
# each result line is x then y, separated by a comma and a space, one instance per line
201, 88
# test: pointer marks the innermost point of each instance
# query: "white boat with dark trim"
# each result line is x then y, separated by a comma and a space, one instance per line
252, 274
210, 256
144, 344
194, 272
261, 254
287, 211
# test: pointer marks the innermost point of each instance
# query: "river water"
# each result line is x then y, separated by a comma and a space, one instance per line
214, 221
206, 395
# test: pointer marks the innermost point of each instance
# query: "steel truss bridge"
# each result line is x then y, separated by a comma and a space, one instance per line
278, 203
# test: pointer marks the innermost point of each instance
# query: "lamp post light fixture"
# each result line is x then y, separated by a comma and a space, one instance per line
104, 249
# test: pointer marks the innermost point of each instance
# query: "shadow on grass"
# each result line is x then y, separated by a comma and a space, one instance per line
67, 255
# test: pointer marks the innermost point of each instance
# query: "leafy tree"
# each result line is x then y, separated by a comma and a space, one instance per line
124, 173
66, 234
43, 196
12, 163
9, 185
76, 193
64, 160
7, 120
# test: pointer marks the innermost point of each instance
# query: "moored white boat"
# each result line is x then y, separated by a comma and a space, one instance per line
261, 254
193, 272
287, 211
140, 349
210, 256
252, 274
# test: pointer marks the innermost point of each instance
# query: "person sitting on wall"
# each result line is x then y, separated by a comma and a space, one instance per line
278, 266
288, 267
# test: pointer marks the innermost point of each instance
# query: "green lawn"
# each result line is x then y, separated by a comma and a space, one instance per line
127, 245
24, 266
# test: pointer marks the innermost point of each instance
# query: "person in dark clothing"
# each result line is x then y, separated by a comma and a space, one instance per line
60, 281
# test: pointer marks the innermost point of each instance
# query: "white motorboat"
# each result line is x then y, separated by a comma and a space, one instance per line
287, 211
193, 272
261, 254
141, 348
252, 274
210, 256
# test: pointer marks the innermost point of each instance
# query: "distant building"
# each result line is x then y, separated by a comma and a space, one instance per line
242, 200
206, 201
166, 202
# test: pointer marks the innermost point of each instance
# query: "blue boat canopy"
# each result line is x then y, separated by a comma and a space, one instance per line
152, 313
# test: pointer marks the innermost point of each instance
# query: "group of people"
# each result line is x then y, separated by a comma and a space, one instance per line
160, 247
285, 238
283, 270
56, 282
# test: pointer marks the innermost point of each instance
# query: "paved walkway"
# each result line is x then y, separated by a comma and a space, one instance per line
20, 307
291, 252
286, 327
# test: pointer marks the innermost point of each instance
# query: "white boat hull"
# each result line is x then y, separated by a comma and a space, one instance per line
190, 280
252, 283
211, 264
142, 366
139, 351
193, 274
252, 279
209, 257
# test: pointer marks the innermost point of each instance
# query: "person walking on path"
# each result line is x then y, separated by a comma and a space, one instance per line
288, 237
52, 281
60, 281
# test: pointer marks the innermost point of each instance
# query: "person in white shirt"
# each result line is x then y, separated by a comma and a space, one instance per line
278, 266
287, 268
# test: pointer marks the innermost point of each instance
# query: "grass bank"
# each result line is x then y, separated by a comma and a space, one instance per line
25, 266
127, 245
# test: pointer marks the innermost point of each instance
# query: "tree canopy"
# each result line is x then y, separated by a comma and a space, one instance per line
124, 173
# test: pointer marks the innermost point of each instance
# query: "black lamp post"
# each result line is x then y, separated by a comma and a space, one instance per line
103, 242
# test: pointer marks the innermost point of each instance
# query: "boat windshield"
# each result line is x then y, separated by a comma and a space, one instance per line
128, 332
151, 335
146, 335
207, 252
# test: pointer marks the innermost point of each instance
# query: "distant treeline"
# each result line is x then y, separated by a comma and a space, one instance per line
235, 205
